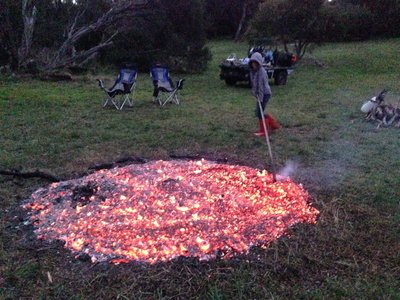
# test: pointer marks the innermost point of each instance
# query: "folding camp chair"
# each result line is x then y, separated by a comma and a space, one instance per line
165, 91
123, 87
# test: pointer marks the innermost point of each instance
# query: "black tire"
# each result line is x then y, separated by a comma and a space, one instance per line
280, 77
230, 81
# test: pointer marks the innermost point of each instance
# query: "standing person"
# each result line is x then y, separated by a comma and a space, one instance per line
261, 90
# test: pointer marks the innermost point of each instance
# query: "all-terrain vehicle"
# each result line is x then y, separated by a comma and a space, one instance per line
278, 65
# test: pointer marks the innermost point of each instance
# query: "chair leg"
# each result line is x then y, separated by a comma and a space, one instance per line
172, 97
107, 101
165, 101
176, 100
160, 100
123, 103
116, 103
128, 101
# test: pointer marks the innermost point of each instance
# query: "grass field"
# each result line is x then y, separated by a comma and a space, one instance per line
351, 170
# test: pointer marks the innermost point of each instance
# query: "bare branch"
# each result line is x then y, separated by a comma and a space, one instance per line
66, 55
73, 25
84, 56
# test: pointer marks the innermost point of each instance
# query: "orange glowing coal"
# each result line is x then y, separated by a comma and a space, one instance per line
162, 210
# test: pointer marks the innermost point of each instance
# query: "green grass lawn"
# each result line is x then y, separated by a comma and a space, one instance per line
351, 170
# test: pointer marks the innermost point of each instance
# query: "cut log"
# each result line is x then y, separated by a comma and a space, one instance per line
35, 174
121, 162
56, 76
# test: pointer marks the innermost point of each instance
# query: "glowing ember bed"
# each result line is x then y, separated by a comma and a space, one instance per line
161, 210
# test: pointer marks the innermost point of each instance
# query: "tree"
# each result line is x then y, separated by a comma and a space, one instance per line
347, 22
63, 52
229, 17
185, 44
382, 16
291, 21
172, 33
249, 8
68, 34
10, 31
386, 16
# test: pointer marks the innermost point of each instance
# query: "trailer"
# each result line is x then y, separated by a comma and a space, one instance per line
277, 64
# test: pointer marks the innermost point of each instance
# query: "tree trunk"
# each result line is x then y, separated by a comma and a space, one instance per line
8, 35
241, 23
29, 18
301, 48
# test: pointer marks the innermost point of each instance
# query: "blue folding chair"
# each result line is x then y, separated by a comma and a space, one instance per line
124, 87
165, 91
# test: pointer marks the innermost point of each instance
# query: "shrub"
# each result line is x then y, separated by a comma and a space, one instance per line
347, 22
172, 34
290, 21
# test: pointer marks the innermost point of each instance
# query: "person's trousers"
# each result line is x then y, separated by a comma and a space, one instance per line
264, 102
